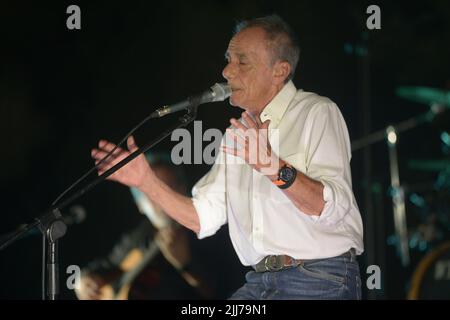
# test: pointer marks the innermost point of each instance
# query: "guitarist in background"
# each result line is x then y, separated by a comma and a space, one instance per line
154, 260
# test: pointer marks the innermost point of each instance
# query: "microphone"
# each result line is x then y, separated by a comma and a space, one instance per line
218, 92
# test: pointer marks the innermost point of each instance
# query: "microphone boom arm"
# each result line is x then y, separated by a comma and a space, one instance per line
51, 224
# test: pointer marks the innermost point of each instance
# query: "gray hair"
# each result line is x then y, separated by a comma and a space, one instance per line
282, 41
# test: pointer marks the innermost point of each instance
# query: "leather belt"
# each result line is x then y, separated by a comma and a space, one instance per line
276, 263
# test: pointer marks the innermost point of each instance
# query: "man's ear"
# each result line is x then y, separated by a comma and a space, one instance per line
281, 71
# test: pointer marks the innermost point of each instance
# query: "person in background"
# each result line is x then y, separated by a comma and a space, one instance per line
154, 260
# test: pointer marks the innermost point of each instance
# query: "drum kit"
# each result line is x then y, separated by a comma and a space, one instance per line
426, 207
427, 233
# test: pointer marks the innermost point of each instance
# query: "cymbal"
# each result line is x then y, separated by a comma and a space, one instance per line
424, 95
435, 165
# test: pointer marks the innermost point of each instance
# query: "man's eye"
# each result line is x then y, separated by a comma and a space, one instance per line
242, 63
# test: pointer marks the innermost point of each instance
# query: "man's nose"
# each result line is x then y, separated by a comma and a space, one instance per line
229, 71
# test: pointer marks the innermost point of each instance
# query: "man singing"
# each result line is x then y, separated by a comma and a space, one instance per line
289, 203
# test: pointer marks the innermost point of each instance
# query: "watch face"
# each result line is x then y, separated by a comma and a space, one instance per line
286, 174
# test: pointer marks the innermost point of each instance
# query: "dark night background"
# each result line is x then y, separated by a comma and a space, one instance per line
62, 90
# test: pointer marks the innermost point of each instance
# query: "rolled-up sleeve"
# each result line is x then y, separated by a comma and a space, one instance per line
208, 197
328, 161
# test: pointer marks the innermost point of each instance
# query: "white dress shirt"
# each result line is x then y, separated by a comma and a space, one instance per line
312, 136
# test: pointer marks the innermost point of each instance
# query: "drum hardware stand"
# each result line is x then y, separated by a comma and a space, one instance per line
390, 134
398, 198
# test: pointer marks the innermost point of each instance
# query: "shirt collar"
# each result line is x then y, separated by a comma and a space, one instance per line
276, 108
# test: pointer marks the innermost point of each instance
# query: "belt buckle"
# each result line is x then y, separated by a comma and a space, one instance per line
273, 263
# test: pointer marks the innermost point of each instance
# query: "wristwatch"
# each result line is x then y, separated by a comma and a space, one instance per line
286, 176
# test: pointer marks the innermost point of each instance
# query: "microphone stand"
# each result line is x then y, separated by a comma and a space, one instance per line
51, 224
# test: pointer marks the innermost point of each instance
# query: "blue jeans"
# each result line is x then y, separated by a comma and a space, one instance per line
323, 279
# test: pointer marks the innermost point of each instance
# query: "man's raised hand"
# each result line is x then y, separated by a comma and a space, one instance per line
132, 174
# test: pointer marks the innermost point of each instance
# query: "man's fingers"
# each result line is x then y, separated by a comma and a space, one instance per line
106, 145
264, 132
238, 124
101, 153
234, 152
258, 122
265, 125
231, 151
248, 155
98, 155
131, 144
248, 119
236, 137
102, 168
